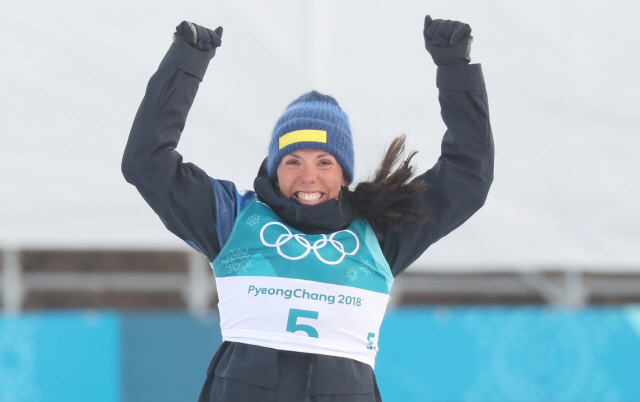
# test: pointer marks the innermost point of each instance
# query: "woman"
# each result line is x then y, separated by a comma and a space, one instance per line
304, 265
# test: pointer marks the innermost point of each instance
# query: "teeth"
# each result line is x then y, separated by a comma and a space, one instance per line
309, 196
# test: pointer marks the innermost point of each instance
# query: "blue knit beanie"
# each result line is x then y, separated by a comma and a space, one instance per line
312, 121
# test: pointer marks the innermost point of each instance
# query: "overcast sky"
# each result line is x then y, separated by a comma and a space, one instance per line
561, 78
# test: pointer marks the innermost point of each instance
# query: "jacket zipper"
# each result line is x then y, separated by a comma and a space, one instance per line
308, 396
298, 213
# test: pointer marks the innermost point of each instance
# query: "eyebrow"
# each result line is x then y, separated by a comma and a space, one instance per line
322, 155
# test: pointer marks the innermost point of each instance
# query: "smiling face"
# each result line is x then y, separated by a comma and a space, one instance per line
311, 176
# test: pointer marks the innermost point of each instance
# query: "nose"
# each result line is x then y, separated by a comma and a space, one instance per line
309, 175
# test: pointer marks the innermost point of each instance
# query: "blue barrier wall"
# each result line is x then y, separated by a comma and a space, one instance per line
60, 357
426, 354
165, 355
510, 354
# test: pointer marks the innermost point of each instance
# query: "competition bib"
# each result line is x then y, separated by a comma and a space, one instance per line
283, 289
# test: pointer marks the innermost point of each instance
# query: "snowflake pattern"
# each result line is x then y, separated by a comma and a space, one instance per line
352, 274
253, 219
238, 261
367, 268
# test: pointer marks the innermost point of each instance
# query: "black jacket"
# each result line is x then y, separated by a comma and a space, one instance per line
189, 202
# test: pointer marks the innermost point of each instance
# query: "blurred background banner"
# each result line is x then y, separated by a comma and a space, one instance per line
510, 354
426, 354
61, 356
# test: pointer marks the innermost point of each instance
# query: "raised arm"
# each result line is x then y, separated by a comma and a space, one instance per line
458, 184
180, 193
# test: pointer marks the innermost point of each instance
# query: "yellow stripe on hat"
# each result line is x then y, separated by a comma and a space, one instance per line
303, 136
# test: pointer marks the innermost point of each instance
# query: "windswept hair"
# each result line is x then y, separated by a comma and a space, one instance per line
389, 198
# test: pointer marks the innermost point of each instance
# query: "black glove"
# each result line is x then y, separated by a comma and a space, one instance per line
449, 42
199, 37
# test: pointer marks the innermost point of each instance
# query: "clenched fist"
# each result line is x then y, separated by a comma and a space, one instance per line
448, 42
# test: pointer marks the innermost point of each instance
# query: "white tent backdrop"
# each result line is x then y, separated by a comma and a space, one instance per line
561, 75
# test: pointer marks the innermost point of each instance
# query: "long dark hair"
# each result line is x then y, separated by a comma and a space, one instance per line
387, 200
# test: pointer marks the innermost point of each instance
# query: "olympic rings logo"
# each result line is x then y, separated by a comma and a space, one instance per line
317, 245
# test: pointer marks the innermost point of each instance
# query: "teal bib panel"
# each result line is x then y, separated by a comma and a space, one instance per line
262, 245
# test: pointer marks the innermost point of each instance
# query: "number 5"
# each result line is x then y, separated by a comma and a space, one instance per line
292, 322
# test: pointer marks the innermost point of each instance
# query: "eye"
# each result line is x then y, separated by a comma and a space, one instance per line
325, 162
292, 162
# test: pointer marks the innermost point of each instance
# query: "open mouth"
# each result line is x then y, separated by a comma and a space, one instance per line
308, 197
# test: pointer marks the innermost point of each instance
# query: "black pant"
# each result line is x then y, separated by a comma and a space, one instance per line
240, 373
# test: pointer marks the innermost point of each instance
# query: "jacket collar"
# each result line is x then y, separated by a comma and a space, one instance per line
326, 217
